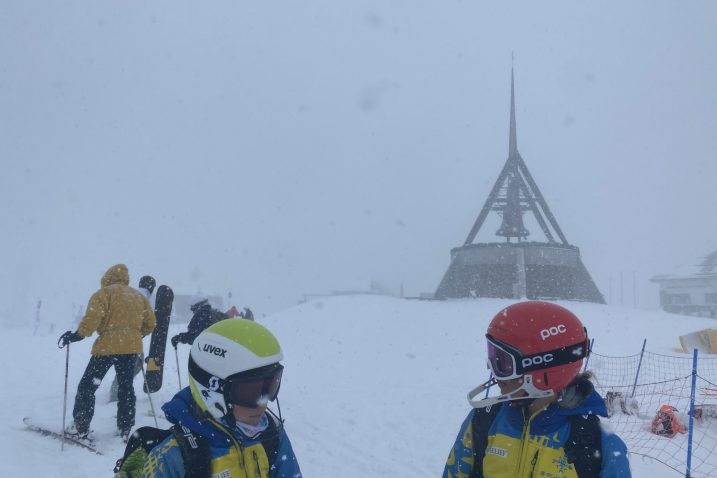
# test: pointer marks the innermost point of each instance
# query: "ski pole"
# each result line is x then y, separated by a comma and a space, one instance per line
149, 395
179, 377
64, 400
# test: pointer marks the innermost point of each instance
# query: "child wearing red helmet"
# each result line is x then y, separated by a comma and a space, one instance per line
545, 420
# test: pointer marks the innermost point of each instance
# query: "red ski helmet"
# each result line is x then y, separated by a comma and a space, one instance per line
538, 339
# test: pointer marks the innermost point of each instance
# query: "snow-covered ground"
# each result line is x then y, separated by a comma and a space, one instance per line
373, 386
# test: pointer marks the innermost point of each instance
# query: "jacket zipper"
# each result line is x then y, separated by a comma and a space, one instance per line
533, 462
242, 464
524, 441
256, 463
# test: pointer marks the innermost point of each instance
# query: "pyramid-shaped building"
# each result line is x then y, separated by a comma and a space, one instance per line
514, 267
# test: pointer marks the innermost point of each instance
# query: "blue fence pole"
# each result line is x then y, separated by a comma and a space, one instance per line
488, 389
692, 414
590, 351
639, 365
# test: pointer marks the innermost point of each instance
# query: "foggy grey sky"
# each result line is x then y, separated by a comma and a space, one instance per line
281, 148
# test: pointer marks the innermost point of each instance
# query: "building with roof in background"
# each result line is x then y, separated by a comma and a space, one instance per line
690, 289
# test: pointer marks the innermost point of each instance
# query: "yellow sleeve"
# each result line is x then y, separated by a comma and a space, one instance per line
460, 460
150, 321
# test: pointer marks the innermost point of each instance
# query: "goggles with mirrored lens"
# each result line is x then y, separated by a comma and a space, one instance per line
254, 388
502, 359
507, 362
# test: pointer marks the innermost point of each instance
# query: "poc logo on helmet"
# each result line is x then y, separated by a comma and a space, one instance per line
547, 333
537, 360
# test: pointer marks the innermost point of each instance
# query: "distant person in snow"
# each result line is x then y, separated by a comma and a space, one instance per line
545, 419
233, 313
146, 287
121, 316
204, 316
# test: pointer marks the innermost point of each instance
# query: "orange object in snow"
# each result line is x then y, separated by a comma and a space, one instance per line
666, 423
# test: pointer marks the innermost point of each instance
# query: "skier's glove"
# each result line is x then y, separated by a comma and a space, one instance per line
69, 337
176, 339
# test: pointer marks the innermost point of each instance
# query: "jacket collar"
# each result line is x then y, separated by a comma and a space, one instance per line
179, 411
578, 399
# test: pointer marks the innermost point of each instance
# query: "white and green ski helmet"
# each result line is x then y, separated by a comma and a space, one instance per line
225, 349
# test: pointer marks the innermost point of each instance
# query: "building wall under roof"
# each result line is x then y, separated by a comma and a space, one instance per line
691, 290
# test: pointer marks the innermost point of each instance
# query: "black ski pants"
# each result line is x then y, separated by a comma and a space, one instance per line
94, 373
114, 387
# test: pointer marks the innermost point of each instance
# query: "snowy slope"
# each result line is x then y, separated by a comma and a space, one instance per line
373, 386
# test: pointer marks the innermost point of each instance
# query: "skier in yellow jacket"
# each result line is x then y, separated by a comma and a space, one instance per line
121, 316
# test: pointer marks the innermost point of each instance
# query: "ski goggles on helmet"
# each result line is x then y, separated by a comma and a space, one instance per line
507, 362
254, 388
250, 389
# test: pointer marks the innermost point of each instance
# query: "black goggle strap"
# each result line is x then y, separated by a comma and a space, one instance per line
551, 358
205, 378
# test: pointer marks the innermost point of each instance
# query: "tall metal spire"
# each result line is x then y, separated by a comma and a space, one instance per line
523, 269
513, 141
525, 197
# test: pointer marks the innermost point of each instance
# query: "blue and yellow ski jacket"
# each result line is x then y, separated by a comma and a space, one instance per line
524, 447
233, 455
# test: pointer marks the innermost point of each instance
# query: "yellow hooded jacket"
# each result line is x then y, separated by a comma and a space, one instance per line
119, 314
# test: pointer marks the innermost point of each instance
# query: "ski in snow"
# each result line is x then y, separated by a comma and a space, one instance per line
86, 444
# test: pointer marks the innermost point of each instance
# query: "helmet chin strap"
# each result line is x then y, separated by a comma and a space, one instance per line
229, 417
531, 393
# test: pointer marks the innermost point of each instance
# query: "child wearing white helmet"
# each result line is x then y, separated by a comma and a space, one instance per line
234, 372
